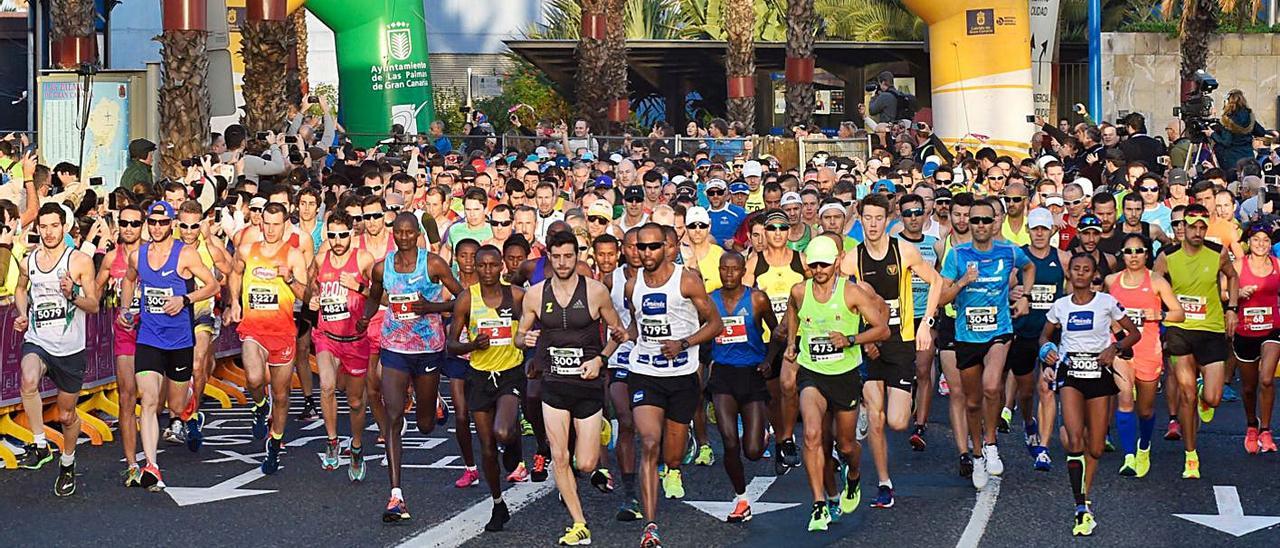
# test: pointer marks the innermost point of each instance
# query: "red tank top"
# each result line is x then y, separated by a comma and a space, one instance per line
1136, 301
1258, 312
340, 307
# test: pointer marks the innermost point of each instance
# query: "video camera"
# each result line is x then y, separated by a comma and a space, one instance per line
1196, 110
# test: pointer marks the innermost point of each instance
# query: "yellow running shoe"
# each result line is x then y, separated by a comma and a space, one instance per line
705, 456
1129, 468
1142, 464
1192, 468
672, 485
606, 433
1084, 524
578, 535
1206, 412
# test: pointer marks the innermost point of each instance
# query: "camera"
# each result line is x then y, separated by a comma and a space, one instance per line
1197, 105
871, 87
261, 136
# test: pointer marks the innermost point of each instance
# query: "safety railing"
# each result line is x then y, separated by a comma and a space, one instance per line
857, 147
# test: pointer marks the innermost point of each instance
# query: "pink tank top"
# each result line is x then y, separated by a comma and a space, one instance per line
1258, 312
340, 307
1136, 301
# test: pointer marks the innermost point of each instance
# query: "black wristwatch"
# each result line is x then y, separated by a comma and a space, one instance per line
1231, 308
186, 300
684, 344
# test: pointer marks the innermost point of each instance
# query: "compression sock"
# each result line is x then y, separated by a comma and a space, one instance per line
1145, 429
1075, 471
1127, 429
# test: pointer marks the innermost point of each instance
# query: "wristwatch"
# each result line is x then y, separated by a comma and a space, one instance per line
684, 344
186, 300
930, 321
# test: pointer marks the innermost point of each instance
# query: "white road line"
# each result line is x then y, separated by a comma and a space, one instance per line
982, 510
470, 522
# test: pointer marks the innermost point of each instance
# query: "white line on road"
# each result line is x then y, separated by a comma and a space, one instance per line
470, 522
982, 510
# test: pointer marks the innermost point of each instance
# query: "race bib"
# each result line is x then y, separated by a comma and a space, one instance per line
1083, 366
1042, 296
401, 306
1136, 315
1258, 318
566, 361
980, 319
263, 298
498, 330
779, 306
1195, 307
333, 308
895, 311
655, 328
156, 297
822, 350
48, 311
735, 330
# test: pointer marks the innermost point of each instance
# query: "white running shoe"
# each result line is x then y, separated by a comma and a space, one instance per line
864, 423
980, 475
991, 454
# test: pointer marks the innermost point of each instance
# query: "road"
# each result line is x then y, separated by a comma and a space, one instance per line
228, 503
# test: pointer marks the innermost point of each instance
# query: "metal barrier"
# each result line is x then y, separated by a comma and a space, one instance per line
850, 148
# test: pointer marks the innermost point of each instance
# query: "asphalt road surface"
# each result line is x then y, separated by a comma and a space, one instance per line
218, 498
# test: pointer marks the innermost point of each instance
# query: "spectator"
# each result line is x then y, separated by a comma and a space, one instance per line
1179, 143
1140, 147
884, 105
1233, 139
443, 144
581, 138
138, 171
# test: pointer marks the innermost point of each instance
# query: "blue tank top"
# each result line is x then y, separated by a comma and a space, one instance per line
155, 328
741, 344
920, 288
1046, 289
982, 307
403, 330
539, 271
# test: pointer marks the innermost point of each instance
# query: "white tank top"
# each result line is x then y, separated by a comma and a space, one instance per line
56, 324
618, 294
663, 313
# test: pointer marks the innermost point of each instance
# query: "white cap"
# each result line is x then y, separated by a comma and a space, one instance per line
717, 183
1040, 217
1054, 201
615, 158
791, 198
1044, 160
696, 214
1086, 185
679, 179
542, 152
752, 169
258, 201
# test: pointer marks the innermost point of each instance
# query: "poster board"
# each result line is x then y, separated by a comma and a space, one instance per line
116, 114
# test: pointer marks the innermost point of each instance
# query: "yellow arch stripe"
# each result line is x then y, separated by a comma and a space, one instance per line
988, 142
958, 88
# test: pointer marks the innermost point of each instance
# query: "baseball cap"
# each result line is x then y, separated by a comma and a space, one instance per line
752, 168
257, 201
165, 208
791, 198
633, 193
604, 181
1086, 185
1088, 222
821, 250
138, 148
1055, 201
930, 166
588, 156
615, 158
739, 188
884, 185
1040, 217
679, 179
1178, 176
831, 206
703, 163
600, 208
542, 152
696, 214
717, 183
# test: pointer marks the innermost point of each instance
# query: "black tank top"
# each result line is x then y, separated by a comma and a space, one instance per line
570, 336
885, 278
762, 265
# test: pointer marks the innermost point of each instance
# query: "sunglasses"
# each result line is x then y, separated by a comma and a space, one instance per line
394, 208
1133, 250
846, 203
255, 210
1149, 189
777, 228
339, 235
819, 265
192, 226
716, 192
371, 216
1193, 219
1074, 203
598, 220
634, 200
650, 246
501, 223
942, 201
914, 212
582, 248
130, 224
160, 222
995, 177
1176, 222
981, 220
698, 226
1013, 199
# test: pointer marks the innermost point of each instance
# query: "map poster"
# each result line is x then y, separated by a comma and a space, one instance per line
107, 124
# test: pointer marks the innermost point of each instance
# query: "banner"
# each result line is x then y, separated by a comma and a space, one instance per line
1044, 52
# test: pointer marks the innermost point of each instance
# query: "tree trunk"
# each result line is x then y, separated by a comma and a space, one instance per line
299, 82
72, 21
802, 28
264, 45
740, 63
1199, 21
616, 46
184, 98
594, 71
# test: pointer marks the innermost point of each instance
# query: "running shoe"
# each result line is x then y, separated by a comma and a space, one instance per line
884, 498
1191, 468
852, 495
1206, 412
706, 457
470, 477
65, 484
520, 474
271, 463
650, 537
741, 512
1006, 416
1142, 463
1229, 394
991, 454
577, 535
539, 472
980, 473
500, 516
1265, 442
1042, 461
1109, 446
672, 485
442, 411
133, 476
917, 438
789, 453
175, 433
943, 388
355, 470
396, 511
602, 480
1174, 433
691, 451
629, 511
308, 413
821, 518
330, 459
260, 415
1031, 432
1251, 445
1130, 466
195, 434
151, 478
526, 428
33, 456
833, 508
864, 423
965, 466
1084, 524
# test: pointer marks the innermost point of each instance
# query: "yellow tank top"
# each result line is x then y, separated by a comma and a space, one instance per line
500, 325
709, 267
267, 302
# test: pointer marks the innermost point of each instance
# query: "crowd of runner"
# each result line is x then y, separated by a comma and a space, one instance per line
611, 308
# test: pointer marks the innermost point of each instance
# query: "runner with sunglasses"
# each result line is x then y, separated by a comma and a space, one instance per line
951, 385
198, 233
1172, 398
1133, 224
1198, 342
913, 212
1257, 339
111, 275
375, 238
1148, 301
1081, 368
703, 256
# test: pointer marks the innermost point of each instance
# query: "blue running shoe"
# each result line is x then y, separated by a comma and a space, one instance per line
1042, 461
833, 508
271, 464
884, 498
195, 438
1229, 394
1031, 431
260, 415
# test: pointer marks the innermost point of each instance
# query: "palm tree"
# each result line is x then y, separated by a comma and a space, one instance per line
264, 45
297, 81
644, 20
869, 20
615, 38
740, 60
1199, 20
802, 30
594, 71
183, 94
72, 21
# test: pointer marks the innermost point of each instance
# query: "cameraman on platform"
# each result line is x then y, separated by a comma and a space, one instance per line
884, 104
1233, 138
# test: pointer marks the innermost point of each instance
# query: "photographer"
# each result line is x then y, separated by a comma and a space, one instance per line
267, 157
1233, 139
302, 124
884, 105
1140, 146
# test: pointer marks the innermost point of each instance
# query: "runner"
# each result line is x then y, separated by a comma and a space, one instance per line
740, 363
1257, 340
672, 316
891, 365
266, 277
54, 292
615, 275
166, 341
829, 380
341, 278
410, 282
496, 382
958, 208
377, 241
1198, 343
111, 275
983, 330
571, 357
197, 233
913, 211
1081, 369
1142, 296
457, 367
703, 256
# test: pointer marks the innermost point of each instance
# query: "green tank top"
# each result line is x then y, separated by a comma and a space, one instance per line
1195, 283
803, 242
817, 320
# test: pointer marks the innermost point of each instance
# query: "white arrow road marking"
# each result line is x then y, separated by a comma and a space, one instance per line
227, 489
755, 490
470, 522
981, 514
1230, 518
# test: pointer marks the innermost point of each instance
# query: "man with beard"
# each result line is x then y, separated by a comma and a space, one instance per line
111, 275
